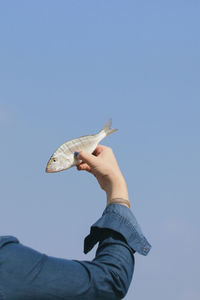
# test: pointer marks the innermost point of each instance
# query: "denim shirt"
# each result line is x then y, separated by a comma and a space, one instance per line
26, 274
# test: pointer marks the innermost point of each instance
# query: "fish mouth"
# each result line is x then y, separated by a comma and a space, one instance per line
48, 170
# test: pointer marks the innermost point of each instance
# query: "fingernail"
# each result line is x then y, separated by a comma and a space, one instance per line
76, 153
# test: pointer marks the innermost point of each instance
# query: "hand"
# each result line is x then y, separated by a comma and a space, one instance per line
103, 165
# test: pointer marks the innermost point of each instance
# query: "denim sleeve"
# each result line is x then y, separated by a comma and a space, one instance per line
119, 218
27, 274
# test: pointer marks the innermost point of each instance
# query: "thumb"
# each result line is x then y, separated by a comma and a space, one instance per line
88, 158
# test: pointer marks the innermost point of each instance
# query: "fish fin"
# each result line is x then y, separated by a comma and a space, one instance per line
107, 130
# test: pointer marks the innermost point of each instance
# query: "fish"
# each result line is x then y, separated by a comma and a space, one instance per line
63, 158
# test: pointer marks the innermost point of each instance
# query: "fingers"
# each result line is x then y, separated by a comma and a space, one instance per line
91, 162
83, 167
99, 149
87, 158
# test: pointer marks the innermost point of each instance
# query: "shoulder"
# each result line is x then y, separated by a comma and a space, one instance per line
6, 239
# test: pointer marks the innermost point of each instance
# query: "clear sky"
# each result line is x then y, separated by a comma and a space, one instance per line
66, 67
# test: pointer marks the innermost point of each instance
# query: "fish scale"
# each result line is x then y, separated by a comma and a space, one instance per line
63, 158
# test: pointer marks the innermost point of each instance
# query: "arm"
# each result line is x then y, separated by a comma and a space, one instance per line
28, 274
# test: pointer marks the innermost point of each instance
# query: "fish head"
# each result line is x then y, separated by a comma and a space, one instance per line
58, 162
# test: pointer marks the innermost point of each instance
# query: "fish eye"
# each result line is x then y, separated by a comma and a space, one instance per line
54, 160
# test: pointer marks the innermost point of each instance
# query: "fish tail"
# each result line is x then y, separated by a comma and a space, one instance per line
107, 130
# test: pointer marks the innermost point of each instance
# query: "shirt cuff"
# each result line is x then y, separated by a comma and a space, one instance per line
118, 218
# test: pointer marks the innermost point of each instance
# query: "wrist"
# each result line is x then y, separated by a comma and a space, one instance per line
118, 190
121, 201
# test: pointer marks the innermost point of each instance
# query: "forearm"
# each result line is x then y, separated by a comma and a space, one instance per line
118, 190
112, 268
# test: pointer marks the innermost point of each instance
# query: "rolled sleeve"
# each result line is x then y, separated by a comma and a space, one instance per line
120, 219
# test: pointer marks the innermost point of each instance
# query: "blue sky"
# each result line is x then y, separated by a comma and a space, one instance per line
66, 67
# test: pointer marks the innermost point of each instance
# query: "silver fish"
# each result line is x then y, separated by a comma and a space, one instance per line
63, 158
